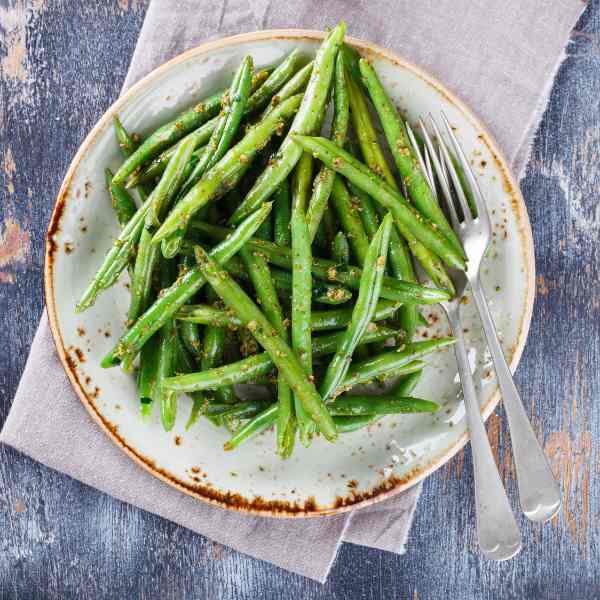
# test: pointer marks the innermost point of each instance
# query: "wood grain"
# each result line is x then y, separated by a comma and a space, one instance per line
61, 65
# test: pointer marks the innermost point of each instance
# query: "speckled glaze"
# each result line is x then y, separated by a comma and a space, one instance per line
362, 467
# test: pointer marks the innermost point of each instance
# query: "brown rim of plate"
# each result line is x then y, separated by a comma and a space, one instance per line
260, 506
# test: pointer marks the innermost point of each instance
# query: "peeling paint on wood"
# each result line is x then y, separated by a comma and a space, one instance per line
61, 539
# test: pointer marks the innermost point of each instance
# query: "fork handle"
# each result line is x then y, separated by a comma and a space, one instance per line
539, 492
497, 531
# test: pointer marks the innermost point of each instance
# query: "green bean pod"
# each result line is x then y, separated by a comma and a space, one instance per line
403, 154
227, 172
282, 209
266, 335
324, 180
275, 82
141, 283
234, 106
213, 349
388, 362
307, 120
349, 406
321, 320
405, 216
340, 249
190, 331
121, 200
146, 379
368, 295
170, 133
257, 425
172, 299
258, 365
328, 270
294, 86
301, 286
349, 217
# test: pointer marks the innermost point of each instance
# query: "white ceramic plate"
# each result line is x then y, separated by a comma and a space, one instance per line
364, 466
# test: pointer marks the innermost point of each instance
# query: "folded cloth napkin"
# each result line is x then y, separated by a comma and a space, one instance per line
499, 56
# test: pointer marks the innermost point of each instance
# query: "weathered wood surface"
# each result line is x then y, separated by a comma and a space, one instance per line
61, 65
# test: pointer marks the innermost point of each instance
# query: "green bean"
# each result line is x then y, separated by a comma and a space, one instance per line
266, 335
328, 270
340, 249
403, 388
368, 295
141, 283
282, 207
278, 78
399, 255
170, 133
190, 331
322, 292
325, 178
166, 359
156, 168
212, 356
388, 362
349, 406
403, 154
260, 275
405, 216
172, 299
126, 142
295, 85
116, 259
307, 120
321, 320
301, 286
122, 202
260, 423
147, 376
234, 105
349, 217
258, 365
168, 185
227, 172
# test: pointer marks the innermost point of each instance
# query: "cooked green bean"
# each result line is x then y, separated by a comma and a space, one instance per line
141, 283
340, 249
388, 362
170, 133
324, 180
116, 259
282, 209
234, 106
122, 202
147, 376
213, 349
227, 172
349, 217
258, 365
348, 406
301, 286
328, 270
172, 299
295, 85
362, 313
307, 121
260, 423
405, 216
166, 359
276, 80
266, 335
403, 154
321, 320
190, 331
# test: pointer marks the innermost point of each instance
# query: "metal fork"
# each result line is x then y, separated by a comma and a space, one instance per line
539, 492
497, 531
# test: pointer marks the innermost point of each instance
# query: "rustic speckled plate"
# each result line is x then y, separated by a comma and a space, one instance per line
365, 466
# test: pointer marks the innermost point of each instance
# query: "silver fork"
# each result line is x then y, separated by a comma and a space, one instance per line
539, 492
497, 531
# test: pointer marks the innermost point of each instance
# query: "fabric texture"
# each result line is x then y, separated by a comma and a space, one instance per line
501, 57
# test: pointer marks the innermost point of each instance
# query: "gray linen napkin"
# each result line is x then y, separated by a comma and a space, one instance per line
499, 56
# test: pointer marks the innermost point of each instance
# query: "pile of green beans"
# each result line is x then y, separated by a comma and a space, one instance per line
295, 294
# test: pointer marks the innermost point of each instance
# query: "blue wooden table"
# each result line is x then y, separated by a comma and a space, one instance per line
61, 65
